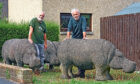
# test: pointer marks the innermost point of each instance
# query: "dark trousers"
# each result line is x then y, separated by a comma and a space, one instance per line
81, 71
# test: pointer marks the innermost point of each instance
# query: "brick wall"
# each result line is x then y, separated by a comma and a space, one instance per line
15, 73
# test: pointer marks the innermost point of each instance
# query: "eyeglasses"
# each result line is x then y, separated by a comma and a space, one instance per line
42, 15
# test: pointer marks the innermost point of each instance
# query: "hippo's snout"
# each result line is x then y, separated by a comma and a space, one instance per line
129, 66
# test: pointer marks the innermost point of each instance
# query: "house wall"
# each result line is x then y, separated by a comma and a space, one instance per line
98, 8
24, 10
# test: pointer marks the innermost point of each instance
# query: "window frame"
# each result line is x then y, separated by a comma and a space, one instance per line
89, 29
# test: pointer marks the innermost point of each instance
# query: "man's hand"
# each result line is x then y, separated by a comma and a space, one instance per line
30, 35
66, 38
45, 46
30, 40
84, 35
85, 38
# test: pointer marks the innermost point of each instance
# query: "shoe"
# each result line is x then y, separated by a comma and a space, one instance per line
80, 75
41, 68
44, 70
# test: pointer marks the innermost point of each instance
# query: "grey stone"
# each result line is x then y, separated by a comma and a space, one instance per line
51, 54
20, 52
89, 54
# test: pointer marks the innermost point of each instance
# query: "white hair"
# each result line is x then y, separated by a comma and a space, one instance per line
41, 13
74, 9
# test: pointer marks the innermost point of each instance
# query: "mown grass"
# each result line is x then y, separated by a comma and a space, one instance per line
53, 77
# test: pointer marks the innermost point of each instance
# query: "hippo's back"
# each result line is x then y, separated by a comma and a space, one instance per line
8, 47
82, 52
14, 46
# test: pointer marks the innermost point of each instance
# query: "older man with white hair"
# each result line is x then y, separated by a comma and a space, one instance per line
77, 25
37, 35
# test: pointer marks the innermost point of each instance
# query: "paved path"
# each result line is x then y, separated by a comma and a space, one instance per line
4, 81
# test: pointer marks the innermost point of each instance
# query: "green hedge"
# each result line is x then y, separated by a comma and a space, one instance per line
52, 31
1, 5
14, 30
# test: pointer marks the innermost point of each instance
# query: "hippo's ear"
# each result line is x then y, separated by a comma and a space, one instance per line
37, 62
118, 53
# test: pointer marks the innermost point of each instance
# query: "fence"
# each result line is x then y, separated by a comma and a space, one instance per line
124, 32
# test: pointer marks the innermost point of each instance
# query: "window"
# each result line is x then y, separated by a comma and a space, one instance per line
64, 20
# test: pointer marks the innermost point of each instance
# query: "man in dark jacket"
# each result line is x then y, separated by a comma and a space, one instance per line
77, 25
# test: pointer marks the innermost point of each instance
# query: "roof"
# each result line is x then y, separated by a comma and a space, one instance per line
131, 9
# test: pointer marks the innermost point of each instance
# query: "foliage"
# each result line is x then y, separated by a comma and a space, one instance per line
1, 60
1, 5
52, 31
7, 74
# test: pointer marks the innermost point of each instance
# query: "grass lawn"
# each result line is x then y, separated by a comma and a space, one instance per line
53, 77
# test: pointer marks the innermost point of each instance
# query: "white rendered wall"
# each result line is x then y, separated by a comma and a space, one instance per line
23, 10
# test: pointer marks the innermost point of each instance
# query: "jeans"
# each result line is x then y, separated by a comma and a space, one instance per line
40, 52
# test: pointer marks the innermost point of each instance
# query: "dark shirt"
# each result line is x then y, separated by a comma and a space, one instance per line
39, 28
77, 27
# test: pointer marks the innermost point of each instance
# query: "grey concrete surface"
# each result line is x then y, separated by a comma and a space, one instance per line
5, 81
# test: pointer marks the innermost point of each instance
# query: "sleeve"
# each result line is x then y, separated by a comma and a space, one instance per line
70, 25
84, 24
32, 23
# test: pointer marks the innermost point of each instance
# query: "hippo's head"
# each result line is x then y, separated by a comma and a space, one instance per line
30, 57
51, 53
121, 62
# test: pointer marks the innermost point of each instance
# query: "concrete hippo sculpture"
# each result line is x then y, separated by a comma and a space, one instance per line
51, 54
20, 52
88, 54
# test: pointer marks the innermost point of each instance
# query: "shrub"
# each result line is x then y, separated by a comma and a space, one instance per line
52, 31
1, 5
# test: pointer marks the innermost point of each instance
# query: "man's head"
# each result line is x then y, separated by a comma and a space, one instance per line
41, 16
75, 13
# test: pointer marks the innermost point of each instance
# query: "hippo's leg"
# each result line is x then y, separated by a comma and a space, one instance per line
7, 61
70, 72
109, 77
51, 67
15, 64
64, 71
20, 63
100, 73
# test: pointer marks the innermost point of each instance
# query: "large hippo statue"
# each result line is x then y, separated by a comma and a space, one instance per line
20, 52
88, 54
51, 54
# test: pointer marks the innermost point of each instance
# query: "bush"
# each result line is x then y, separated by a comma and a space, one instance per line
1, 5
52, 31
14, 30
